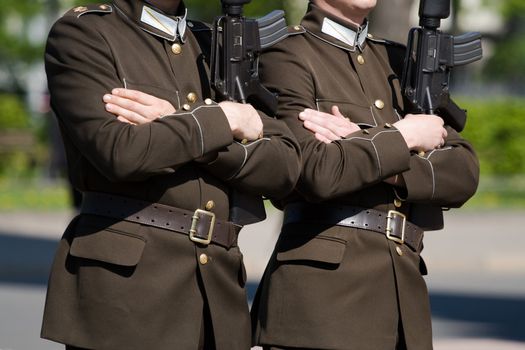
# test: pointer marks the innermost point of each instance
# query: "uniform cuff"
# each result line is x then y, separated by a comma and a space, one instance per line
214, 129
420, 168
392, 151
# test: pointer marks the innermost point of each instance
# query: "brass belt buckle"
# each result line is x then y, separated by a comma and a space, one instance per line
194, 221
392, 214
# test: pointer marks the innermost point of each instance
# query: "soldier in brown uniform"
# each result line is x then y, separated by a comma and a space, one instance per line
346, 272
152, 261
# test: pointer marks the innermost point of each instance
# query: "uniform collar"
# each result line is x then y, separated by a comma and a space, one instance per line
153, 20
344, 34
334, 30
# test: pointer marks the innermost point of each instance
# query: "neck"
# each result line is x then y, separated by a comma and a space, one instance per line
351, 15
169, 7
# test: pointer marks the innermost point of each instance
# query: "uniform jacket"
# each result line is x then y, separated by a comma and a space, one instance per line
121, 285
332, 287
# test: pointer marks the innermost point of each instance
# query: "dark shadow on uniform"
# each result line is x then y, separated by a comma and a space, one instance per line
25, 260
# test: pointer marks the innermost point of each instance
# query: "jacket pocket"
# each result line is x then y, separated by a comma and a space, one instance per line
359, 114
311, 243
108, 240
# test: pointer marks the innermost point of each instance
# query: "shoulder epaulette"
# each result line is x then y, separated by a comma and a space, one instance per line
296, 29
384, 41
280, 35
92, 8
196, 26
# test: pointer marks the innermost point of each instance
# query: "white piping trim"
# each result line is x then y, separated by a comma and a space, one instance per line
200, 133
245, 147
243, 161
427, 158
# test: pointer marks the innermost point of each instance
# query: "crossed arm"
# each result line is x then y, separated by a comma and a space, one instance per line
136, 107
421, 132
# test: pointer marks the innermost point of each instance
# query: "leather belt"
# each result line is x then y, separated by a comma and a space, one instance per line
392, 224
200, 225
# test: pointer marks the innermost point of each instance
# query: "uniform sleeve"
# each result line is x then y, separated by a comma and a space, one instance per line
80, 68
446, 177
337, 169
246, 165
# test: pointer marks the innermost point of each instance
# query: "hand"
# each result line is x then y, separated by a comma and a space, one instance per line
245, 122
422, 132
135, 107
327, 127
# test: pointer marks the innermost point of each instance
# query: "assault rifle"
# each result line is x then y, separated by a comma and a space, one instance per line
431, 54
236, 45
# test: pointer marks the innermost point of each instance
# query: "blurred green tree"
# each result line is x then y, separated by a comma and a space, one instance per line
507, 63
18, 44
207, 10
15, 33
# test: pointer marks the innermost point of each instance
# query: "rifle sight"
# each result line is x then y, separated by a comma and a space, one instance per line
431, 12
233, 7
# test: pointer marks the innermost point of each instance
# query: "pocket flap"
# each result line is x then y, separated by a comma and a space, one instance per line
109, 243
327, 247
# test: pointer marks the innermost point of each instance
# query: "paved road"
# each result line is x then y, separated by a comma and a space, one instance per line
477, 276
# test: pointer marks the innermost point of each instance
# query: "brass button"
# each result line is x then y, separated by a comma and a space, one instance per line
210, 205
370, 35
397, 203
244, 141
103, 7
421, 153
388, 125
80, 9
297, 27
186, 107
208, 101
365, 131
379, 104
176, 48
360, 59
399, 251
190, 24
203, 259
192, 97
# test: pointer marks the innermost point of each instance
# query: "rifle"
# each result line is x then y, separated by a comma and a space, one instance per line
431, 55
236, 45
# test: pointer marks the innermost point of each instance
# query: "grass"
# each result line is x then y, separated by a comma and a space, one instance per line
33, 195
42, 195
499, 192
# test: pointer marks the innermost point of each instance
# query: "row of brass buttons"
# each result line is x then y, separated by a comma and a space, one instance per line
192, 96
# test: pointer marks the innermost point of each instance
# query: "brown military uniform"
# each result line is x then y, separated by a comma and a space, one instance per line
331, 284
118, 284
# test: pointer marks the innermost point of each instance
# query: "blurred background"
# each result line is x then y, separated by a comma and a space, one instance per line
476, 264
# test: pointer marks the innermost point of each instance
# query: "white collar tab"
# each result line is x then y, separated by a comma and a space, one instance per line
345, 34
175, 28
